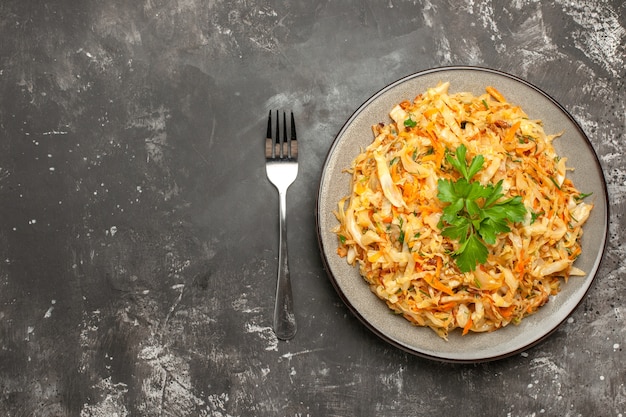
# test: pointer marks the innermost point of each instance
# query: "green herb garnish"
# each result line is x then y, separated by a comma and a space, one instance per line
476, 214
535, 215
556, 184
401, 237
410, 122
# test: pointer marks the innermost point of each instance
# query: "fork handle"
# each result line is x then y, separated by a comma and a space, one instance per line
284, 316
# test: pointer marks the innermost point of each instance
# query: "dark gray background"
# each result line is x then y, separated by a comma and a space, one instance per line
138, 233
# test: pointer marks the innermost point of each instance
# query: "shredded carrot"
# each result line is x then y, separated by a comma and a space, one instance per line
430, 112
468, 325
507, 312
447, 307
495, 94
434, 282
405, 104
510, 134
521, 263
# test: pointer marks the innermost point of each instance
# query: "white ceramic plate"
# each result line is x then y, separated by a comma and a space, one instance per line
356, 134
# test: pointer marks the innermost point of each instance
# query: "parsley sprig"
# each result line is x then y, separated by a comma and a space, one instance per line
476, 213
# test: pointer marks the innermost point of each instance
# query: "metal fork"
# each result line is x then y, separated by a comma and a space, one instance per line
281, 165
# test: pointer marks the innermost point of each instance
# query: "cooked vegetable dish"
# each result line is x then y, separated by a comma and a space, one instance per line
460, 213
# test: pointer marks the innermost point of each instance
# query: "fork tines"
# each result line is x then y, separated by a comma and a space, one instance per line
281, 146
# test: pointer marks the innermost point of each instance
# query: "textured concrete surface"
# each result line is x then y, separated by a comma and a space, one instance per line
138, 233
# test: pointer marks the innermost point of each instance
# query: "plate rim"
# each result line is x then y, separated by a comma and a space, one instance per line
324, 255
